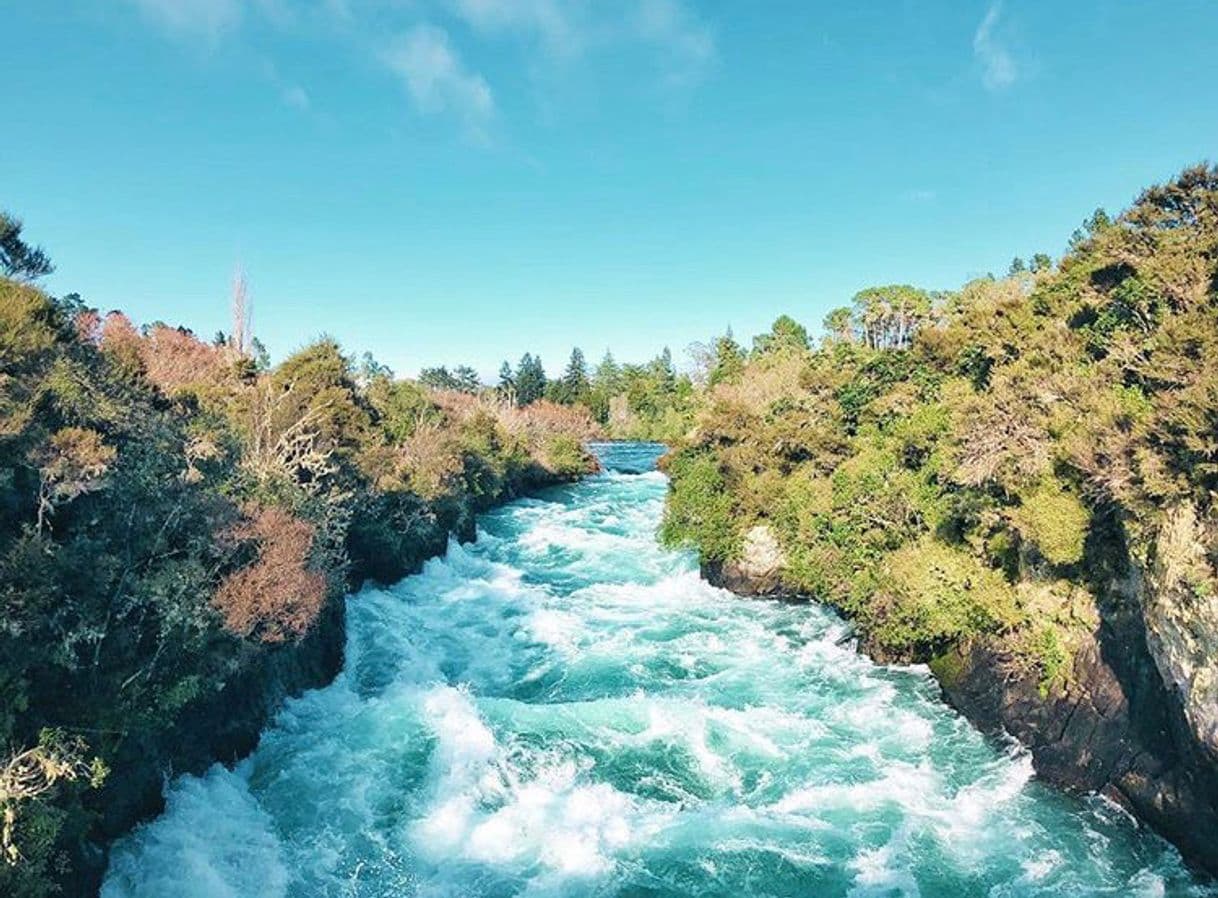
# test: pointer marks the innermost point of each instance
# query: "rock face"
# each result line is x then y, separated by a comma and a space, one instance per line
1181, 610
1111, 730
1137, 718
758, 570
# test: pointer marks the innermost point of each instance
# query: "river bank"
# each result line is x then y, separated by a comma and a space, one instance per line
565, 708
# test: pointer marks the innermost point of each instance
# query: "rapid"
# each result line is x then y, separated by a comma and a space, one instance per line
564, 708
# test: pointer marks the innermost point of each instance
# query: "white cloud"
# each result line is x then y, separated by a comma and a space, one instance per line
556, 22
428, 59
568, 28
998, 68
296, 97
437, 80
686, 41
208, 18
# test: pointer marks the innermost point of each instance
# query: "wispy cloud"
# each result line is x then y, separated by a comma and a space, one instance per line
686, 41
296, 97
428, 58
558, 24
998, 67
437, 79
291, 93
569, 28
205, 18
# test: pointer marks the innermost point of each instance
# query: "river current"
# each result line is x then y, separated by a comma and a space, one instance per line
564, 708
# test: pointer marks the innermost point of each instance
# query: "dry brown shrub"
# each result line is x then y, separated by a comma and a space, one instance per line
764, 383
430, 460
175, 358
455, 405
999, 443
121, 341
546, 417
277, 597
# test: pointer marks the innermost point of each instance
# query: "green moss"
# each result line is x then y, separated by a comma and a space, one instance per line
949, 668
1055, 521
1050, 656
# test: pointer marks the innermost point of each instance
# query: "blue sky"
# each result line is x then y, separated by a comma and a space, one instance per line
448, 181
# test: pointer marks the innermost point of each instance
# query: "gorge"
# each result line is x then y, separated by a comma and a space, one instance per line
563, 707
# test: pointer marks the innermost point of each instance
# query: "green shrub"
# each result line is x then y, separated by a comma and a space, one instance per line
932, 595
1055, 522
565, 456
700, 508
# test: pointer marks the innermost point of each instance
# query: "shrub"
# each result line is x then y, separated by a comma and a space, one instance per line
277, 597
564, 456
1054, 521
700, 509
932, 595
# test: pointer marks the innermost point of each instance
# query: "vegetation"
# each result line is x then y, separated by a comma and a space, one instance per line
977, 464
628, 402
174, 514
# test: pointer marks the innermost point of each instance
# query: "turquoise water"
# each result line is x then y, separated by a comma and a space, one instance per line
566, 709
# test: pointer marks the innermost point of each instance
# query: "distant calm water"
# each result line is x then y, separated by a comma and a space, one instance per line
566, 709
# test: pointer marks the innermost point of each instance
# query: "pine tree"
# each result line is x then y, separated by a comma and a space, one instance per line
530, 380
574, 384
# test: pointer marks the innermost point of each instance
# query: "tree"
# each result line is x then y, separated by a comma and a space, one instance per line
461, 379
530, 380
507, 383
438, 378
888, 316
370, 370
242, 310
17, 258
839, 325
573, 387
662, 369
729, 360
785, 333
1017, 266
1098, 221
608, 375
262, 357
1041, 262
466, 379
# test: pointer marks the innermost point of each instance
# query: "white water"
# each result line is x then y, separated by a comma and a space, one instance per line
566, 709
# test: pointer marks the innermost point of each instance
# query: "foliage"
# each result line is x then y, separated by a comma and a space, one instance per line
176, 520
942, 456
17, 258
1054, 521
462, 379
530, 380
699, 511
278, 596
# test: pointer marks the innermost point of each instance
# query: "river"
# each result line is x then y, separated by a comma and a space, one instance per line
564, 708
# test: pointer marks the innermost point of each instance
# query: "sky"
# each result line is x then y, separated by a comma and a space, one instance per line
461, 181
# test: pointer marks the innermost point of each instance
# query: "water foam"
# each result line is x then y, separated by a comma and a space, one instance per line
564, 708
